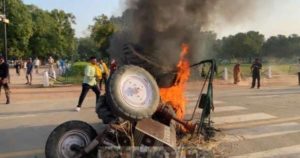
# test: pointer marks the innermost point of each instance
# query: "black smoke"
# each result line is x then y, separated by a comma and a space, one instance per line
161, 26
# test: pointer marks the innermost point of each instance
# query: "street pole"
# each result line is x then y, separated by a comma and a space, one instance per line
5, 32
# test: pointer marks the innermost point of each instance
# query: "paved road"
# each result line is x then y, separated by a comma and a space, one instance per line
258, 123
254, 122
34, 112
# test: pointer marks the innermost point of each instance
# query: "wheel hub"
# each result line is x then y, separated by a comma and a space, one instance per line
136, 91
69, 141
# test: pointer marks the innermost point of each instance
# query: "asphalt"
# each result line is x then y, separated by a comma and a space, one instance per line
254, 122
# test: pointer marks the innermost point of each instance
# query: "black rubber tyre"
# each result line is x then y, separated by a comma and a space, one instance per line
62, 137
133, 93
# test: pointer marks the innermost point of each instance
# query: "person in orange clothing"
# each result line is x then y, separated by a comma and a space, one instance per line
236, 73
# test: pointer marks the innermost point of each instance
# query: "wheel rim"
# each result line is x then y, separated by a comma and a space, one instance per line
74, 137
136, 91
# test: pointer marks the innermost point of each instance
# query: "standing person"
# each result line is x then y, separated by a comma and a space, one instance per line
255, 68
18, 66
4, 73
37, 64
236, 73
105, 73
51, 66
29, 66
113, 66
91, 73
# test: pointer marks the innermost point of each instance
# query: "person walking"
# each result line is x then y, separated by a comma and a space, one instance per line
236, 73
18, 66
105, 73
255, 69
29, 69
37, 64
4, 73
91, 73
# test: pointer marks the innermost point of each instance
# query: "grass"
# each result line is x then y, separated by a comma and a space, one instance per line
74, 75
277, 69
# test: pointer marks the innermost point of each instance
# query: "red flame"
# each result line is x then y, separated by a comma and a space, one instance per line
175, 94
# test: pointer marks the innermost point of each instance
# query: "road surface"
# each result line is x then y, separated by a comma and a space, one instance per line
258, 123
254, 123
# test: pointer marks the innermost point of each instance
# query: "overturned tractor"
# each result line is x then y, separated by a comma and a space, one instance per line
142, 107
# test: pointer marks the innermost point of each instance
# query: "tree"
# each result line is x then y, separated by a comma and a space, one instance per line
242, 45
43, 28
86, 48
19, 30
36, 32
282, 47
63, 35
101, 32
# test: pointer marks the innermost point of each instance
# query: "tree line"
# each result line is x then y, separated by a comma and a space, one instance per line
33, 32
241, 46
253, 44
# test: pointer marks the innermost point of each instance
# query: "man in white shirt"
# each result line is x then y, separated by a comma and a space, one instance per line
37, 64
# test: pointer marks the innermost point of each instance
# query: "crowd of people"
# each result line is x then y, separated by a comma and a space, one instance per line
28, 66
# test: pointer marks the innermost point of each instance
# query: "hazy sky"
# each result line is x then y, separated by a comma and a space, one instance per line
277, 17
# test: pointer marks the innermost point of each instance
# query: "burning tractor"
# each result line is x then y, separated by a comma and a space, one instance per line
144, 106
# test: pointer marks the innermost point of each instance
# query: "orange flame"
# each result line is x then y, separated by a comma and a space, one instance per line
175, 94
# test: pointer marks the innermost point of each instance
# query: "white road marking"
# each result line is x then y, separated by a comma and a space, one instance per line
263, 96
220, 109
278, 152
262, 131
16, 116
190, 95
218, 102
242, 118
229, 108
193, 102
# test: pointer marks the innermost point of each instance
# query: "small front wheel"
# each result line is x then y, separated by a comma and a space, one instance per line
67, 139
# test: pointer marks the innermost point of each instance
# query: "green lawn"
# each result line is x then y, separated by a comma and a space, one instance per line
280, 69
75, 74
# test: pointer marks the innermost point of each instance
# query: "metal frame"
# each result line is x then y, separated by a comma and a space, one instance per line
205, 123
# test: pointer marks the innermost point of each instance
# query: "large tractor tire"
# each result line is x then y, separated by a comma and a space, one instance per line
133, 93
67, 138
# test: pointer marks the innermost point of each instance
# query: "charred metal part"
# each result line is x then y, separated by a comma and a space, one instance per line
165, 112
152, 133
165, 75
91, 145
160, 114
142, 57
205, 101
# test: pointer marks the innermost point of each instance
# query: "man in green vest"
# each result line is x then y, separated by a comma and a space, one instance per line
91, 74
